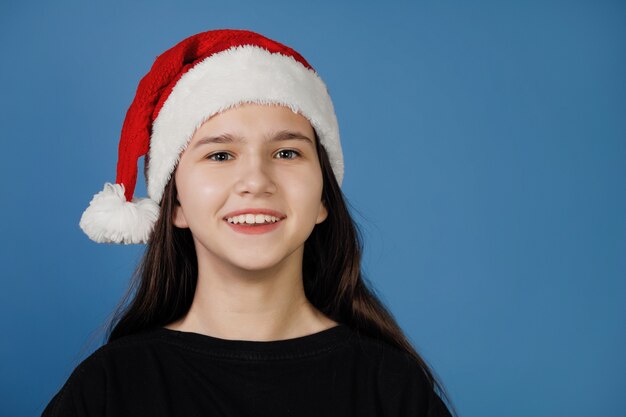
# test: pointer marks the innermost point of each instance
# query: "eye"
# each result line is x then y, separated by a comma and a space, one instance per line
288, 154
219, 156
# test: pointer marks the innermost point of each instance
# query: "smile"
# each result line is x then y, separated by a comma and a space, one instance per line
255, 228
252, 219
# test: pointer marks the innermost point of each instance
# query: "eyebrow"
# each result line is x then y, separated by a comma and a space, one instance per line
228, 138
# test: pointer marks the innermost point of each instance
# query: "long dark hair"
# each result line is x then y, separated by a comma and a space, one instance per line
163, 285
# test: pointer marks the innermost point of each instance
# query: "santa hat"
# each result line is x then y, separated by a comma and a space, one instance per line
199, 77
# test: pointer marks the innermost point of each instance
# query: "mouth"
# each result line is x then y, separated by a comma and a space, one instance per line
254, 221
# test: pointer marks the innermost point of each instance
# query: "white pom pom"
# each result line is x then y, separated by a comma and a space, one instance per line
111, 219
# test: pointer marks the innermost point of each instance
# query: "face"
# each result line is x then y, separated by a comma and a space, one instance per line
250, 187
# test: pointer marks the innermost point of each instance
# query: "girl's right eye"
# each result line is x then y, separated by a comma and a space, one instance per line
219, 156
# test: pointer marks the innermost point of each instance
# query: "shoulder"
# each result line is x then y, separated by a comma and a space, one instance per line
402, 382
118, 355
85, 391
391, 361
393, 364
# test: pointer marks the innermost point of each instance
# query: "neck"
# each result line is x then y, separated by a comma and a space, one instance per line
261, 305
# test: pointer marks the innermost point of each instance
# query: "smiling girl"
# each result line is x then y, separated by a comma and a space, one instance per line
249, 300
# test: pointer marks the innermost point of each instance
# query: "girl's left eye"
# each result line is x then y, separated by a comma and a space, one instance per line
288, 154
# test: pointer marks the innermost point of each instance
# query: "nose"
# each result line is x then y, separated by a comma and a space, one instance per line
255, 177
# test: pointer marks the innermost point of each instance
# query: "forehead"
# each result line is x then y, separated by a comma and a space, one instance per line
249, 116
254, 123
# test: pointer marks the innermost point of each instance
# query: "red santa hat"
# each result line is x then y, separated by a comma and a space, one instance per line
199, 77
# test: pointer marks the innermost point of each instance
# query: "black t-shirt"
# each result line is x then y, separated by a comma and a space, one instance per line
163, 372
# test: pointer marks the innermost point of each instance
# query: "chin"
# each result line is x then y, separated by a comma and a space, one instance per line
258, 264
251, 258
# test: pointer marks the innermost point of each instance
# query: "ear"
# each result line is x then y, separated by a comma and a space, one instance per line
322, 213
178, 217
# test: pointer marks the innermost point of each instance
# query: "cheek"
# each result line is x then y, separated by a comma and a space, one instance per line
198, 189
305, 191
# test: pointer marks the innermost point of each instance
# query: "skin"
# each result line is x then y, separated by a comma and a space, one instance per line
250, 286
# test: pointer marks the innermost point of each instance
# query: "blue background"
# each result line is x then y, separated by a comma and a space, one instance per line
485, 148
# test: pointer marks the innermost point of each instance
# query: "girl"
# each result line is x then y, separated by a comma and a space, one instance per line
249, 300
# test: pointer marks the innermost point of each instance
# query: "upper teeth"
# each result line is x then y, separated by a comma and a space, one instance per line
252, 218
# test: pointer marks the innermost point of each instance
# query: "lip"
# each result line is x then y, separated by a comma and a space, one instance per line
268, 212
255, 230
